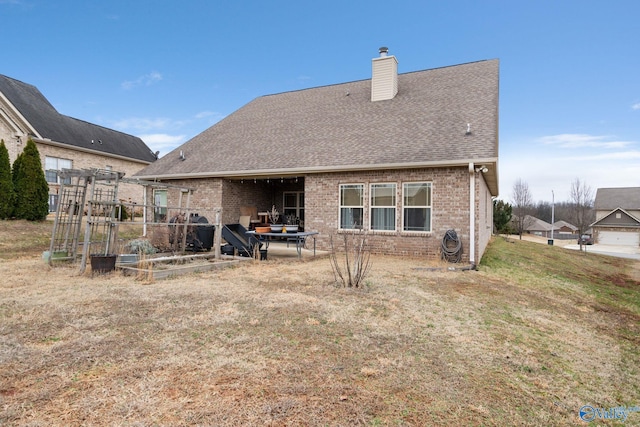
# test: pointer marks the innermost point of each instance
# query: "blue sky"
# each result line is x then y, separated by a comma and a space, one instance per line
167, 70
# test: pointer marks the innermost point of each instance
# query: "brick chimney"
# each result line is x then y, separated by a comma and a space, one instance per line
384, 76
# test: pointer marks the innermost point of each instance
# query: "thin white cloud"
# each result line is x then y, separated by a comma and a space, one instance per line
205, 114
162, 142
578, 140
141, 124
600, 161
618, 155
636, 106
146, 80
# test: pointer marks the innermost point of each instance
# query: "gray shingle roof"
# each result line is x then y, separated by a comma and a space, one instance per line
608, 199
337, 127
50, 124
536, 224
560, 224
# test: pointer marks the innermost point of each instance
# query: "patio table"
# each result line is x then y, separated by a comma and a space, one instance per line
299, 237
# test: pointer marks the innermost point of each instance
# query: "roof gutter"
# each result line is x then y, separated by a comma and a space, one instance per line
265, 173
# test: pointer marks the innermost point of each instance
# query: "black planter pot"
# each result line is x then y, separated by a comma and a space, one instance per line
103, 263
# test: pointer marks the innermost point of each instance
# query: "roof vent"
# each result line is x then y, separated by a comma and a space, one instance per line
384, 76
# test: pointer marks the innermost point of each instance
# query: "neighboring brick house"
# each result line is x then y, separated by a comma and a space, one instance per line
64, 142
406, 157
617, 216
563, 228
537, 227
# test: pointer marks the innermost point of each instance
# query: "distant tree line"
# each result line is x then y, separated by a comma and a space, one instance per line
24, 192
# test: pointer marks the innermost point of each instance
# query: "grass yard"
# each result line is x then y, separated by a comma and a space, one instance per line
527, 340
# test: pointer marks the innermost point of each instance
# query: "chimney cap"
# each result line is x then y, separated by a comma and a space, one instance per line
383, 51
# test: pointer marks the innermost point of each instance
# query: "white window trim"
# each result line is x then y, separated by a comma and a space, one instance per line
57, 168
363, 206
371, 207
430, 207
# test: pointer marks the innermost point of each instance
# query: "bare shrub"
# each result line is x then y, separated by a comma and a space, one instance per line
356, 255
159, 237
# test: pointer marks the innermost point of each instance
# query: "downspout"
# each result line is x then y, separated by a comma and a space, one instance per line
144, 211
472, 216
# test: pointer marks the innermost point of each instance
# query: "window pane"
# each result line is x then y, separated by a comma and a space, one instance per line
51, 176
64, 164
417, 194
50, 163
160, 201
416, 200
383, 219
351, 195
290, 200
383, 206
417, 219
351, 218
383, 195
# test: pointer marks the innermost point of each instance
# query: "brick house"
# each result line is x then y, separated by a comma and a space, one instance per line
617, 216
406, 157
64, 142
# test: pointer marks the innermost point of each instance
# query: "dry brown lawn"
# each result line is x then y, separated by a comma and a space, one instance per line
276, 343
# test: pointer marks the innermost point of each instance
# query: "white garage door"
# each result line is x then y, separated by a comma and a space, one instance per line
620, 238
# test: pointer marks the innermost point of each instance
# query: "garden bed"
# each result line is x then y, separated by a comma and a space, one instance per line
163, 266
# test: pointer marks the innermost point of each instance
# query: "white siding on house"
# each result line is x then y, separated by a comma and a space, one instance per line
384, 80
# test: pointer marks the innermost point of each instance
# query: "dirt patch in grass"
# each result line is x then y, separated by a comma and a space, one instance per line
523, 341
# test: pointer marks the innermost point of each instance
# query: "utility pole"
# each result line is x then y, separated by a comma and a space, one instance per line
553, 206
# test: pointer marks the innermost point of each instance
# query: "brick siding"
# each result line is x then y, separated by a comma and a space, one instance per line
450, 200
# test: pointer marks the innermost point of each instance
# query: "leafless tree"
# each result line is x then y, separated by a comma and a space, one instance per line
521, 203
356, 254
582, 214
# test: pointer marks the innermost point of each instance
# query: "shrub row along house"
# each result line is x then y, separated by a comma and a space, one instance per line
64, 142
404, 157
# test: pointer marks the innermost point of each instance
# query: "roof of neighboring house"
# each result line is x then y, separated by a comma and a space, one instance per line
51, 125
608, 199
339, 128
536, 224
560, 224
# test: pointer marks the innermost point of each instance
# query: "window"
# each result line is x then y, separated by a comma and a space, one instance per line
51, 167
293, 204
416, 206
351, 206
383, 207
160, 205
53, 202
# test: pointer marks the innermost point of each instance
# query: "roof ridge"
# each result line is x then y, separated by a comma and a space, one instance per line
368, 79
20, 82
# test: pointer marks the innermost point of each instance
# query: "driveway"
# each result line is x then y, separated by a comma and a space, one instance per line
617, 251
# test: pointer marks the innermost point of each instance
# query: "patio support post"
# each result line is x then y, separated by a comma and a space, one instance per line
217, 234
